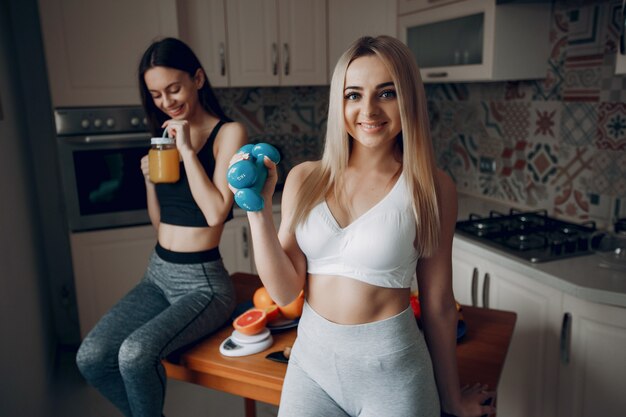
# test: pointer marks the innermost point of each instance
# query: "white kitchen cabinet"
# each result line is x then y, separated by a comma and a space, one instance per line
479, 40
202, 25
107, 264
467, 281
277, 42
407, 6
348, 20
236, 246
592, 373
528, 382
93, 47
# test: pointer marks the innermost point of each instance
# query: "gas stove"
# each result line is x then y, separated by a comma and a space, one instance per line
533, 236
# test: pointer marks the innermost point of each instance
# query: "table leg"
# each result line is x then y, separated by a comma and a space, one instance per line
250, 406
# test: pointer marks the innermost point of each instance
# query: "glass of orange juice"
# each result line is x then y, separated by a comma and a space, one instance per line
164, 161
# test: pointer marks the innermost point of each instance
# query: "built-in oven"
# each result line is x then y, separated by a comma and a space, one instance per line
100, 151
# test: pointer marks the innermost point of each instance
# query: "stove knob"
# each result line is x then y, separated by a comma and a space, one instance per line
97, 123
556, 247
570, 245
110, 122
134, 121
84, 123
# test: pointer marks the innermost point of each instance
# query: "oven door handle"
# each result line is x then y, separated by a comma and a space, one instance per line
126, 139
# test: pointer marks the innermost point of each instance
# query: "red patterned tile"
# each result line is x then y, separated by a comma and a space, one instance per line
611, 134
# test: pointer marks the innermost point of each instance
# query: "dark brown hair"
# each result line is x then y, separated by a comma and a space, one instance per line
173, 53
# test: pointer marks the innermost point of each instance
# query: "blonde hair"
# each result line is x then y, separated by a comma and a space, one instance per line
418, 164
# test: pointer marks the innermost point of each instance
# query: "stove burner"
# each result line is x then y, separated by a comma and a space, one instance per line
526, 222
481, 228
533, 236
526, 242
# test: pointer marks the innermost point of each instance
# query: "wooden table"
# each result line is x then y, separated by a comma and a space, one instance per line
480, 354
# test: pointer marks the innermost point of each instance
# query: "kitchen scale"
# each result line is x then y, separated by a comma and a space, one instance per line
239, 344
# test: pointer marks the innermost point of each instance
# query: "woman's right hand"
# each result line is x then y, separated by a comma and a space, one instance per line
272, 175
272, 178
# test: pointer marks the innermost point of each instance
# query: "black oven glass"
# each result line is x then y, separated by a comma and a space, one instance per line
110, 180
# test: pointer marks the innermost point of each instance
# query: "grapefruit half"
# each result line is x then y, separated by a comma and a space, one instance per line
251, 322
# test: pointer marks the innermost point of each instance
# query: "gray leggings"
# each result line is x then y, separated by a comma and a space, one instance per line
174, 305
368, 370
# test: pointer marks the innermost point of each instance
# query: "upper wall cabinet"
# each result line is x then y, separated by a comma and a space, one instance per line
477, 40
407, 6
202, 25
350, 19
276, 42
93, 47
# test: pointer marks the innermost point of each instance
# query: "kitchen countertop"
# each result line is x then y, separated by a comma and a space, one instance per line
580, 276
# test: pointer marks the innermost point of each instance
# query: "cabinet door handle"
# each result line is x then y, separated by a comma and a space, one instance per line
286, 57
437, 74
222, 59
274, 59
565, 337
475, 287
486, 284
244, 238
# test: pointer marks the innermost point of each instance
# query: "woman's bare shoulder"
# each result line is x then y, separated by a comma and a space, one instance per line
300, 172
230, 138
233, 129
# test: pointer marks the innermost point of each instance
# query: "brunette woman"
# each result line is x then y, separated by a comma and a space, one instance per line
186, 293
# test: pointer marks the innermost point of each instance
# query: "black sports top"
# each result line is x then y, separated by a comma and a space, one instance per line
177, 204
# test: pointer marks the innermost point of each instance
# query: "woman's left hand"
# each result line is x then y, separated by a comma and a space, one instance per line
179, 129
474, 401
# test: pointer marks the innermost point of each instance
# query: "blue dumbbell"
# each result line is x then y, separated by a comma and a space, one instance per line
248, 175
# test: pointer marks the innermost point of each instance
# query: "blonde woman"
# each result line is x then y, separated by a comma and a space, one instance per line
356, 226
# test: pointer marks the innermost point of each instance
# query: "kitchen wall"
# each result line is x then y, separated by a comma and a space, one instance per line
558, 143
26, 326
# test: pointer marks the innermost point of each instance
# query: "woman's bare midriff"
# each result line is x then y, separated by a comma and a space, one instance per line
189, 239
344, 300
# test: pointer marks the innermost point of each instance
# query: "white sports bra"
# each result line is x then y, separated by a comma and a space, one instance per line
376, 248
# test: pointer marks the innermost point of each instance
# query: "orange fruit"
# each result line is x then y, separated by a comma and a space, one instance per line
272, 312
251, 322
293, 310
261, 298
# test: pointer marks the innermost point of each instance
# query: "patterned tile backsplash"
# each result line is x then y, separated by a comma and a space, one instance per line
292, 119
559, 143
